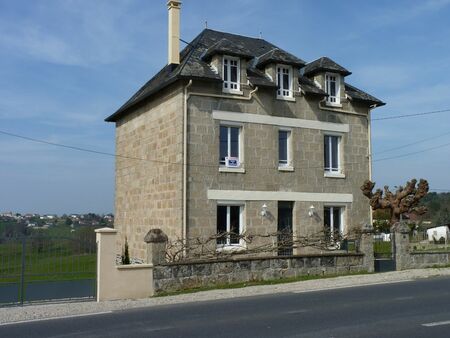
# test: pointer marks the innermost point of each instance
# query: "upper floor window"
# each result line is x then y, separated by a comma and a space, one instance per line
284, 81
231, 74
332, 88
284, 138
331, 152
229, 146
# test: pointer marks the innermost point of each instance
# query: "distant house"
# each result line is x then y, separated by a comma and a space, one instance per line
237, 135
439, 233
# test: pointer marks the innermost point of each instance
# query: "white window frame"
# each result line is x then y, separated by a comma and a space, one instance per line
229, 86
281, 91
288, 166
228, 245
341, 217
222, 166
331, 172
333, 100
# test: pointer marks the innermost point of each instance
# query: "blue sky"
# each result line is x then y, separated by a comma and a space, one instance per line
67, 64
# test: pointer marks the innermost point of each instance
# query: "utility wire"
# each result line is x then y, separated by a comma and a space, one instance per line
412, 143
195, 165
410, 115
412, 153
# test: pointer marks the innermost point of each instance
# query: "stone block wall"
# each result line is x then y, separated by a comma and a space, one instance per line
149, 191
407, 258
179, 276
260, 147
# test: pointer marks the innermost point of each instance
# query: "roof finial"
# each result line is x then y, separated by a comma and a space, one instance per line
206, 23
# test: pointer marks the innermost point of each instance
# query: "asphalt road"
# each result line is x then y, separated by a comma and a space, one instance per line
409, 309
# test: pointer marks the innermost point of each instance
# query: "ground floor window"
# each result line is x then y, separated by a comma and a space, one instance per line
333, 219
229, 224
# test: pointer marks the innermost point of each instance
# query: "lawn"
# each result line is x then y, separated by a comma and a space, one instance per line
47, 259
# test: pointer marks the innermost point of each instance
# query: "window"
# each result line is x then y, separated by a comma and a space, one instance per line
284, 140
231, 74
331, 153
229, 224
229, 145
332, 88
333, 220
284, 81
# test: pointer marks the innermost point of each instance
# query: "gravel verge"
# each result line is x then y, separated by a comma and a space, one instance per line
56, 310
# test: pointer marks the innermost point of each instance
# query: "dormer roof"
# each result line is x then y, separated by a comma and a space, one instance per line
324, 64
277, 55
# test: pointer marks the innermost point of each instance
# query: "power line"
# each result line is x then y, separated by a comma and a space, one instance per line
412, 143
411, 115
412, 153
31, 139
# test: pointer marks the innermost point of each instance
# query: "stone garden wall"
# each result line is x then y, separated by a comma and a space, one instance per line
179, 276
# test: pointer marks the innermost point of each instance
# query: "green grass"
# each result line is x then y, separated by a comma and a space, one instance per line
254, 283
51, 261
382, 248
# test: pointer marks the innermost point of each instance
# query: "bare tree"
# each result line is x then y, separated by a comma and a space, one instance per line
404, 201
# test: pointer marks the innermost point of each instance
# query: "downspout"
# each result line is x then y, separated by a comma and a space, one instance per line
185, 140
369, 135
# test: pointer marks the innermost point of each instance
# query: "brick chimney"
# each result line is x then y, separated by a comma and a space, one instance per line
174, 31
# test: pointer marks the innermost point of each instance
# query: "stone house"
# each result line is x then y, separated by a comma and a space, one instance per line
235, 134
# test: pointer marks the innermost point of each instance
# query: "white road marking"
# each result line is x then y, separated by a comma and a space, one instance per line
404, 298
353, 286
295, 312
52, 318
447, 322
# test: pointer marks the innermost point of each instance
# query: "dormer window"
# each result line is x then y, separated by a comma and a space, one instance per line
332, 88
284, 81
231, 74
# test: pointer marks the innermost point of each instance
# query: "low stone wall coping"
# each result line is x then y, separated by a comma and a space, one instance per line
237, 259
134, 266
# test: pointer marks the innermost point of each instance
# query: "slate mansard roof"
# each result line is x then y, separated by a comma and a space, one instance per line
194, 65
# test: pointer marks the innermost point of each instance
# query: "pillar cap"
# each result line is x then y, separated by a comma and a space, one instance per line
155, 236
400, 227
106, 231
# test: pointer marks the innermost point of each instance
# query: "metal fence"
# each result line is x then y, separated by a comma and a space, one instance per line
420, 241
41, 268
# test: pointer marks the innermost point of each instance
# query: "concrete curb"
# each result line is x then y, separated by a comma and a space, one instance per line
10, 315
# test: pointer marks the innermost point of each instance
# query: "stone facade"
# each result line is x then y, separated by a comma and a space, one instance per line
260, 152
149, 171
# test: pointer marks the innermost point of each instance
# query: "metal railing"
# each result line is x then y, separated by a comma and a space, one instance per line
39, 267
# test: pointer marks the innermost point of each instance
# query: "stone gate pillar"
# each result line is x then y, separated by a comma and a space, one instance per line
400, 246
156, 241
366, 247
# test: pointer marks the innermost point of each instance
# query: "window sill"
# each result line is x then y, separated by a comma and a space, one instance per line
231, 170
333, 175
230, 247
285, 168
333, 105
233, 92
286, 98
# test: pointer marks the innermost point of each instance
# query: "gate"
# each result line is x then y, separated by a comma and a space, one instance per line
43, 268
384, 257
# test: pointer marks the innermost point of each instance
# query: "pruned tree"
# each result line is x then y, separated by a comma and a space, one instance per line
405, 200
